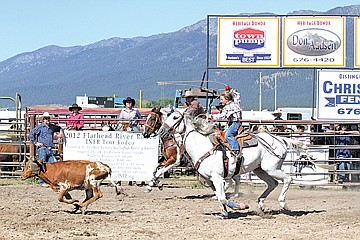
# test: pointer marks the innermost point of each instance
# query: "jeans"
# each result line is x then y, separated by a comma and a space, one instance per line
343, 166
231, 132
46, 155
135, 128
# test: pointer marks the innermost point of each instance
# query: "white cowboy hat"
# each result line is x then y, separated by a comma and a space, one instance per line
45, 115
277, 112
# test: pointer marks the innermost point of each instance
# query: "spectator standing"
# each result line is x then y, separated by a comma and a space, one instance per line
130, 114
75, 120
42, 136
277, 116
300, 130
343, 153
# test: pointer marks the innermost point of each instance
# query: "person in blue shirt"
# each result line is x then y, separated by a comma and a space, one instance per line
343, 153
42, 136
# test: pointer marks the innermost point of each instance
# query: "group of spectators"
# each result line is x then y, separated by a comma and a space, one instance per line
42, 136
340, 135
336, 136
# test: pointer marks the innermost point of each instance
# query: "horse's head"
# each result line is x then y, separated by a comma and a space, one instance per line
175, 123
153, 122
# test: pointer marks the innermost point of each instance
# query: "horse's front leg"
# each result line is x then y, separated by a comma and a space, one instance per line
219, 186
161, 169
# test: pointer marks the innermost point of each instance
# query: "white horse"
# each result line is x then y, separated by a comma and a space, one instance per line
265, 160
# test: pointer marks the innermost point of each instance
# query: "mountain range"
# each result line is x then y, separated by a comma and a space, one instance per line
124, 66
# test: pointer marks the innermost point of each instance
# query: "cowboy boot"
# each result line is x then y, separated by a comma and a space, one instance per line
43, 164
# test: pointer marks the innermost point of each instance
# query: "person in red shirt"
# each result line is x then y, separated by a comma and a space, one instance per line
75, 120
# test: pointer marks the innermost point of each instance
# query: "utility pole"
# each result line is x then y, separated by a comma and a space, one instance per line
275, 107
260, 93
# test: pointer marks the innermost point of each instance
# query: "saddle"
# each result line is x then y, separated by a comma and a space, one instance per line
243, 138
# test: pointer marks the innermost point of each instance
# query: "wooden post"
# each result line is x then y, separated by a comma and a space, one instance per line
32, 146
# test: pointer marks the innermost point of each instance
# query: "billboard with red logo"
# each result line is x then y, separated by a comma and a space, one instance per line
248, 42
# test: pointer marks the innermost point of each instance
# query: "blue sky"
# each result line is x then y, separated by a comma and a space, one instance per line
27, 25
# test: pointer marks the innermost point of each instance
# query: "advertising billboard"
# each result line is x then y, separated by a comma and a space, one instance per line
248, 42
357, 42
313, 42
338, 95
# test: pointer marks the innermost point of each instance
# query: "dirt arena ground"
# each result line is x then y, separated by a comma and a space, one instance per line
180, 211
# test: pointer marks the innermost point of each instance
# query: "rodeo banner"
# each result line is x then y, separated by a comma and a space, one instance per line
314, 42
130, 156
248, 42
338, 96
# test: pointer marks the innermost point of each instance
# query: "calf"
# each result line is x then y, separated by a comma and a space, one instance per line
66, 176
10, 152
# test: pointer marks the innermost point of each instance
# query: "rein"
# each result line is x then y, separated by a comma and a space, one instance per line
172, 130
156, 122
176, 124
269, 148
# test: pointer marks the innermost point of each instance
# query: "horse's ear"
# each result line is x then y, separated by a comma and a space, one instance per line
153, 109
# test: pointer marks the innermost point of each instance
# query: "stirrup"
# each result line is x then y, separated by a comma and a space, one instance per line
235, 152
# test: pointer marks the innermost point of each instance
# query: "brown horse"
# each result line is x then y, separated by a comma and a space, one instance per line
171, 152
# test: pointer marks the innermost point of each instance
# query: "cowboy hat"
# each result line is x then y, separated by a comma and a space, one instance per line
75, 106
129, 99
45, 115
189, 94
277, 112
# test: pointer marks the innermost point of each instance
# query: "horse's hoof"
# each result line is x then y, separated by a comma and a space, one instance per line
224, 215
285, 207
148, 189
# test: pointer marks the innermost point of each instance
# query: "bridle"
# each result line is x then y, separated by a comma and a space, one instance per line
155, 124
171, 129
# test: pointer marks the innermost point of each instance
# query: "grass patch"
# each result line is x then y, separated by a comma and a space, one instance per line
17, 181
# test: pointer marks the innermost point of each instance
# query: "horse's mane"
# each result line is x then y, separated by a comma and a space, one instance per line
166, 111
202, 126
